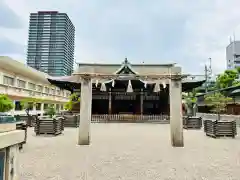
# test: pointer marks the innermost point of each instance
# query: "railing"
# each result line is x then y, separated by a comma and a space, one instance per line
108, 118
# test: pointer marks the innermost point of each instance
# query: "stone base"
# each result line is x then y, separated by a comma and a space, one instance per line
177, 144
84, 141
177, 141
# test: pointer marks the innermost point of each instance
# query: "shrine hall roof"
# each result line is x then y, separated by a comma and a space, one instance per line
116, 68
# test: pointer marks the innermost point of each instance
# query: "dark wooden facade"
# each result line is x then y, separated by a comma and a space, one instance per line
115, 100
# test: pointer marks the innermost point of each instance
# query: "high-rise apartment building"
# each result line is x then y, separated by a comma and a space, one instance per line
51, 43
233, 55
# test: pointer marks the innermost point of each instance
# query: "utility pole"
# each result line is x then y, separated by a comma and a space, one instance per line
208, 73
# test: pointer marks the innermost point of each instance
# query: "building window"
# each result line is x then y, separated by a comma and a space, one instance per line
38, 106
30, 105
21, 83
45, 106
31, 86
18, 106
46, 90
53, 91
8, 80
39, 88
57, 107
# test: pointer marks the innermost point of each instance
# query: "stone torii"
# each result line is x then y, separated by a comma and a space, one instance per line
175, 93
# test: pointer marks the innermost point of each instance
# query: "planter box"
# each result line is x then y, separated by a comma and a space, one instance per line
61, 119
221, 128
192, 122
71, 120
47, 125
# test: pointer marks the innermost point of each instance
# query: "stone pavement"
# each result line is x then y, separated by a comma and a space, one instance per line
129, 152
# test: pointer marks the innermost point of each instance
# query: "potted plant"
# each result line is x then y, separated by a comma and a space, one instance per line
218, 127
71, 120
6, 103
190, 101
49, 124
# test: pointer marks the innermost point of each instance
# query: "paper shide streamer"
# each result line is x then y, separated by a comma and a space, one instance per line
103, 87
129, 88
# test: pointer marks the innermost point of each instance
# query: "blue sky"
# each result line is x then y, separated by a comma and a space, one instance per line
154, 31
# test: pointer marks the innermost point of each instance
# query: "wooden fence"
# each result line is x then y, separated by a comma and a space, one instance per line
108, 118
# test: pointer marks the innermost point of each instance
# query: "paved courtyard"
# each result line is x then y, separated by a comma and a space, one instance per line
129, 152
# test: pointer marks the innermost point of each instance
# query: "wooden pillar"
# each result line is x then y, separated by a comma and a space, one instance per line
141, 102
85, 112
176, 124
110, 102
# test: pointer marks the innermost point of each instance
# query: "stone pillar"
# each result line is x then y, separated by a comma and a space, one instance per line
85, 112
42, 108
176, 123
110, 102
141, 101
12, 164
34, 107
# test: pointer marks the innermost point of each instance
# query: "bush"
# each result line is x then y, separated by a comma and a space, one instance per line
73, 99
6, 103
51, 111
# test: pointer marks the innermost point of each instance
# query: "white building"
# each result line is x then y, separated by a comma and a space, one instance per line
233, 55
20, 81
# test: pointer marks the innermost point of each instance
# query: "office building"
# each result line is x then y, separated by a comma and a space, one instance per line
233, 55
51, 43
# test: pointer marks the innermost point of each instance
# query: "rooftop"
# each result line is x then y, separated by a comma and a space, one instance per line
19, 68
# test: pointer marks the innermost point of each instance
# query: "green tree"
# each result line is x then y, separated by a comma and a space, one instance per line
218, 102
51, 111
228, 78
6, 103
190, 101
73, 99
28, 103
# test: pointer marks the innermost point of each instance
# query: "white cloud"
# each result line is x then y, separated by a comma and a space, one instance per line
206, 32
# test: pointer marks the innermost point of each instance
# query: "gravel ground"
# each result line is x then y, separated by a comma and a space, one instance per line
129, 152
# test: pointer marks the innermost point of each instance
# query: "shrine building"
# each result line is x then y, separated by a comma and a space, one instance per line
125, 95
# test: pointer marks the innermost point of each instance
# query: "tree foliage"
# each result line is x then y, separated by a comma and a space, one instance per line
27, 103
190, 100
73, 99
51, 111
6, 103
228, 78
218, 101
